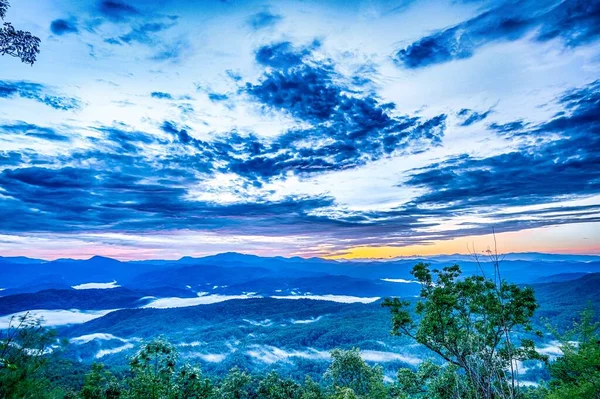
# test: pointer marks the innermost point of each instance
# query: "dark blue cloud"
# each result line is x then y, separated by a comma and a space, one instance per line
71, 199
509, 129
561, 163
470, 117
347, 129
32, 130
129, 141
216, 97
146, 33
146, 28
117, 10
122, 192
117, 187
181, 134
37, 92
575, 22
10, 158
263, 19
236, 77
113, 41
64, 26
161, 95
282, 55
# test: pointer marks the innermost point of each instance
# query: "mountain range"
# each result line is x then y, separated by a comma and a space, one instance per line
260, 312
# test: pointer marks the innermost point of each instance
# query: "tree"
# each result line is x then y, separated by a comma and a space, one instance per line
577, 373
237, 385
312, 390
100, 383
471, 323
24, 348
275, 387
190, 384
17, 43
348, 372
429, 381
153, 370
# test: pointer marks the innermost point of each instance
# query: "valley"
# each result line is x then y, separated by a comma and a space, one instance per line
262, 314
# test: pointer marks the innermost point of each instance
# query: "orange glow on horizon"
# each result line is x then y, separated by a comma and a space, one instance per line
547, 240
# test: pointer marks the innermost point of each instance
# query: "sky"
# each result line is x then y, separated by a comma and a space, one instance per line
340, 129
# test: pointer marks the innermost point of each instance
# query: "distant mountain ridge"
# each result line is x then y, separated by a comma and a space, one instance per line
227, 273
249, 258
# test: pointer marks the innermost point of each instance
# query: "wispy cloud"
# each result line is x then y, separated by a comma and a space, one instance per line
573, 22
263, 19
37, 92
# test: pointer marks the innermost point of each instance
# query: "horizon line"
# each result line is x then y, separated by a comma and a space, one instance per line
326, 258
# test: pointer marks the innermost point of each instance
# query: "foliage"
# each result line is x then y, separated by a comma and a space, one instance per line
23, 346
577, 373
312, 390
155, 374
190, 384
471, 323
237, 385
275, 387
429, 381
17, 43
349, 372
99, 383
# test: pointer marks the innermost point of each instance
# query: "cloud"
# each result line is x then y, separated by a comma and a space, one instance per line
37, 92
332, 298
119, 195
96, 286
345, 129
342, 128
9, 158
52, 318
263, 19
146, 33
574, 22
175, 302
32, 130
64, 26
173, 51
470, 117
134, 181
560, 164
145, 28
117, 10
216, 97
125, 140
161, 95
283, 54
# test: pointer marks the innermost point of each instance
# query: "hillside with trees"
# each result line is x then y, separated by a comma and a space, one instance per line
480, 330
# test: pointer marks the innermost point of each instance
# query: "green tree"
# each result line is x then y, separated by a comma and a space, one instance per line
25, 346
348, 372
100, 383
17, 43
190, 384
577, 373
237, 385
312, 390
344, 393
429, 381
275, 387
153, 370
156, 375
471, 322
